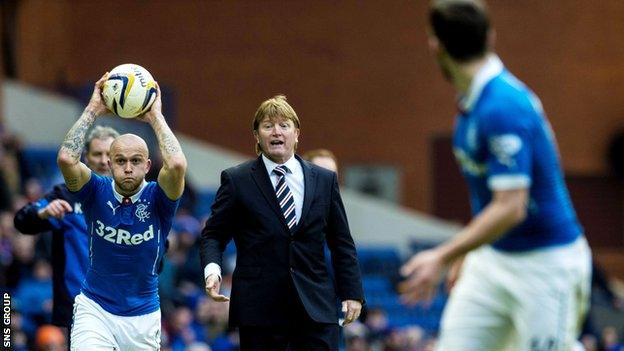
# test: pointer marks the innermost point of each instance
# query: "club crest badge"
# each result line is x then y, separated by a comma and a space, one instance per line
141, 212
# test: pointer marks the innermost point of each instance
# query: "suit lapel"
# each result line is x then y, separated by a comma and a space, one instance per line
261, 178
309, 187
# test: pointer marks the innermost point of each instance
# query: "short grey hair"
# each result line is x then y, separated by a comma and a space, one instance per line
100, 132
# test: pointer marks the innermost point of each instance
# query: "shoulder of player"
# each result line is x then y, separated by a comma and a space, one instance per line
507, 108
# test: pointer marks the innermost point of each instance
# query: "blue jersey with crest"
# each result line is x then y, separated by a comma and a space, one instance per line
503, 141
127, 241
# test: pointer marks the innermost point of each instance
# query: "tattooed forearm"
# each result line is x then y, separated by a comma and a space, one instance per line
75, 139
71, 183
168, 143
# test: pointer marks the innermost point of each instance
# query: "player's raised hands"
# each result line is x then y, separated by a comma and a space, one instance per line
213, 285
423, 273
57, 209
155, 111
96, 103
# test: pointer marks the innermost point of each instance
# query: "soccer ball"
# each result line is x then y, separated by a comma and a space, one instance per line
129, 90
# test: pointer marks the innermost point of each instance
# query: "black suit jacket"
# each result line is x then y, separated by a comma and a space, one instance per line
269, 258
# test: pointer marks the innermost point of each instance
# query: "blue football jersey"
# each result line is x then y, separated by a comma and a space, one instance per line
127, 241
503, 141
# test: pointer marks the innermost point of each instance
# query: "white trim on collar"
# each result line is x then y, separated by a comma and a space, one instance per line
492, 68
133, 198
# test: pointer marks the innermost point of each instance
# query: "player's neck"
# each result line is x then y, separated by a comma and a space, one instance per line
466, 72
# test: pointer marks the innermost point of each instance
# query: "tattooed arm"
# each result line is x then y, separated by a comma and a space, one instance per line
171, 175
76, 173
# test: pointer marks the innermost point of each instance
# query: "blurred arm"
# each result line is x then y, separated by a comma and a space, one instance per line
507, 209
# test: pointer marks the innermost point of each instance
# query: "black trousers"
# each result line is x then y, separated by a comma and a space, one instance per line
300, 333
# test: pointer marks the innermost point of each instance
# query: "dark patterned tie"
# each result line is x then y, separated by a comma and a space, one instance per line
284, 196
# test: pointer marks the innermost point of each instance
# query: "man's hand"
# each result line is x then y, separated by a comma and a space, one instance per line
351, 310
155, 110
57, 209
423, 273
453, 273
212, 288
96, 104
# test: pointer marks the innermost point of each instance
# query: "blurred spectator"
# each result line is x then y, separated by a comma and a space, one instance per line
187, 230
377, 323
198, 346
357, 343
394, 341
228, 341
20, 341
211, 317
22, 261
33, 189
356, 337
589, 342
50, 338
323, 158
414, 338
611, 340
9, 169
181, 334
33, 296
601, 292
6, 244
430, 344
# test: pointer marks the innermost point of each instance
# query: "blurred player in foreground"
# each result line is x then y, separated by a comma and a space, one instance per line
58, 213
525, 282
128, 220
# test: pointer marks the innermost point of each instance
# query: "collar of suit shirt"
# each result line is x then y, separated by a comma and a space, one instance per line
293, 165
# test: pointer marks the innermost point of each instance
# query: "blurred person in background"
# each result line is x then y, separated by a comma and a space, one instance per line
525, 282
57, 212
180, 330
589, 342
129, 220
50, 338
323, 158
281, 210
10, 170
610, 339
33, 296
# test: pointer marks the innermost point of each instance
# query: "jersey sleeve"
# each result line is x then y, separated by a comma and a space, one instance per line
166, 206
506, 133
92, 187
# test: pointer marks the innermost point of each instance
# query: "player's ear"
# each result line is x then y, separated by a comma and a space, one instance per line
149, 165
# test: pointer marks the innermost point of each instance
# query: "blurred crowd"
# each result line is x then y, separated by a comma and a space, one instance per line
191, 321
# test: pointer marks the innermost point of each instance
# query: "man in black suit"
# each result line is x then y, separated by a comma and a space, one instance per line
281, 210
